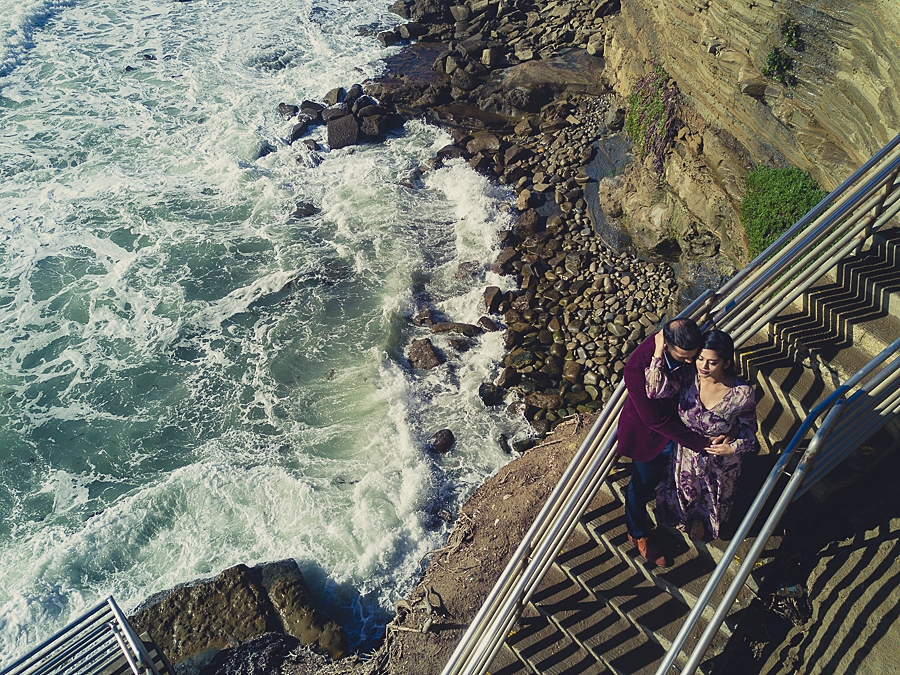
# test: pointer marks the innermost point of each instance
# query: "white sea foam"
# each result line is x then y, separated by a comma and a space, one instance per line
19, 21
189, 376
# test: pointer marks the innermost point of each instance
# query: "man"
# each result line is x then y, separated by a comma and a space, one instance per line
646, 426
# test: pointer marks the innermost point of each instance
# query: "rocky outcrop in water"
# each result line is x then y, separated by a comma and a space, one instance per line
193, 622
349, 115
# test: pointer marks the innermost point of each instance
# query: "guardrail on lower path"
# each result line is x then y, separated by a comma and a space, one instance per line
98, 641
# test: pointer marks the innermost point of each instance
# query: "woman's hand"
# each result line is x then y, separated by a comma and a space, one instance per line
721, 449
660, 344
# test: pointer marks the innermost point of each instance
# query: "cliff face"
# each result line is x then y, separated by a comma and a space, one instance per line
846, 101
843, 106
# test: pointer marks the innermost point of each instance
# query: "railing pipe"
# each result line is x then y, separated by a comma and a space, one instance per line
793, 290
56, 637
136, 643
474, 636
546, 545
760, 542
845, 441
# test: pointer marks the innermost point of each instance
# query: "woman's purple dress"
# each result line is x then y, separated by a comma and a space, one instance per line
699, 486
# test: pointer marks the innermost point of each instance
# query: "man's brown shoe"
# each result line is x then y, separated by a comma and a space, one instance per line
649, 551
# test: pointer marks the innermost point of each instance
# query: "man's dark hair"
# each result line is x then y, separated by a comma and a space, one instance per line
683, 333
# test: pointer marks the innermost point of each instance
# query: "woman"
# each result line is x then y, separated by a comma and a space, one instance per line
698, 489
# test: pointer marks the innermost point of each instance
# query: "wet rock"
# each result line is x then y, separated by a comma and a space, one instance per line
487, 325
193, 622
572, 371
519, 358
441, 442
304, 210
508, 377
490, 394
300, 128
335, 96
423, 356
493, 296
483, 141
544, 401
342, 132
265, 148
459, 344
423, 317
287, 111
335, 111
258, 656
467, 329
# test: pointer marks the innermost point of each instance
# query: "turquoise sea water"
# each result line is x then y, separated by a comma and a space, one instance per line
191, 376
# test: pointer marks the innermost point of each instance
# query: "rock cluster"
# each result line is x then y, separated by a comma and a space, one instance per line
194, 622
581, 307
525, 109
350, 116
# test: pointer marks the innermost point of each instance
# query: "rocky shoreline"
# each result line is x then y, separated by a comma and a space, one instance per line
522, 89
532, 113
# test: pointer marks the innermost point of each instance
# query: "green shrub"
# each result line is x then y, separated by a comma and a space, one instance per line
790, 34
774, 200
651, 121
778, 67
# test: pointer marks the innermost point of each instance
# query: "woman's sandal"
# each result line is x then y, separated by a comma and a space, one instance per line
698, 531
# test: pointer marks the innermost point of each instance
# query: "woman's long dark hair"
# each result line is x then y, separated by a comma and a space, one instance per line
721, 343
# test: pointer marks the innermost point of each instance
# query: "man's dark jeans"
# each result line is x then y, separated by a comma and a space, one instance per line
644, 478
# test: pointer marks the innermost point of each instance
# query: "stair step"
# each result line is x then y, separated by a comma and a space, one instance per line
787, 389
684, 580
650, 609
507, 663
548, 650
595, 626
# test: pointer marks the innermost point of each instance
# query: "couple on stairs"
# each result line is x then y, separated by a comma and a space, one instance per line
685, 424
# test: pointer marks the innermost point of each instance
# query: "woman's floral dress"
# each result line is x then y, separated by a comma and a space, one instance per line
700, 486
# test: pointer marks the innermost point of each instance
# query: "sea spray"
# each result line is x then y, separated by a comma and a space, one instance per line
192, 375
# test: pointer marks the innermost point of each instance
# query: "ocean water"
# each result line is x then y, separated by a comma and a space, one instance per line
191, 375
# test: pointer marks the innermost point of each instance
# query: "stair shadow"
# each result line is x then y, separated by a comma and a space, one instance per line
830, 309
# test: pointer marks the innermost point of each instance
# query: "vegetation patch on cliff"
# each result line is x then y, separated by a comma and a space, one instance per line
774, 200
651, 120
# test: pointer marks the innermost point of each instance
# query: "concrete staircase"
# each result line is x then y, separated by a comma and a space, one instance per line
600, 608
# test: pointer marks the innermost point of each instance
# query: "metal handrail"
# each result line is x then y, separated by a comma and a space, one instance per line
828, 231
87, 645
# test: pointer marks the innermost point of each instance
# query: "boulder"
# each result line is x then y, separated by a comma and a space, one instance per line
490, 394
483, 141
412, 30
441, 442
193, 622
529, 86
353, 94
467, 329
423, 317
334, 111
487, 325
258, 656
422, 355
335, 96
493, 296
545, 401
342, 132
300, 128
304, 210
288, 111
376, 126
